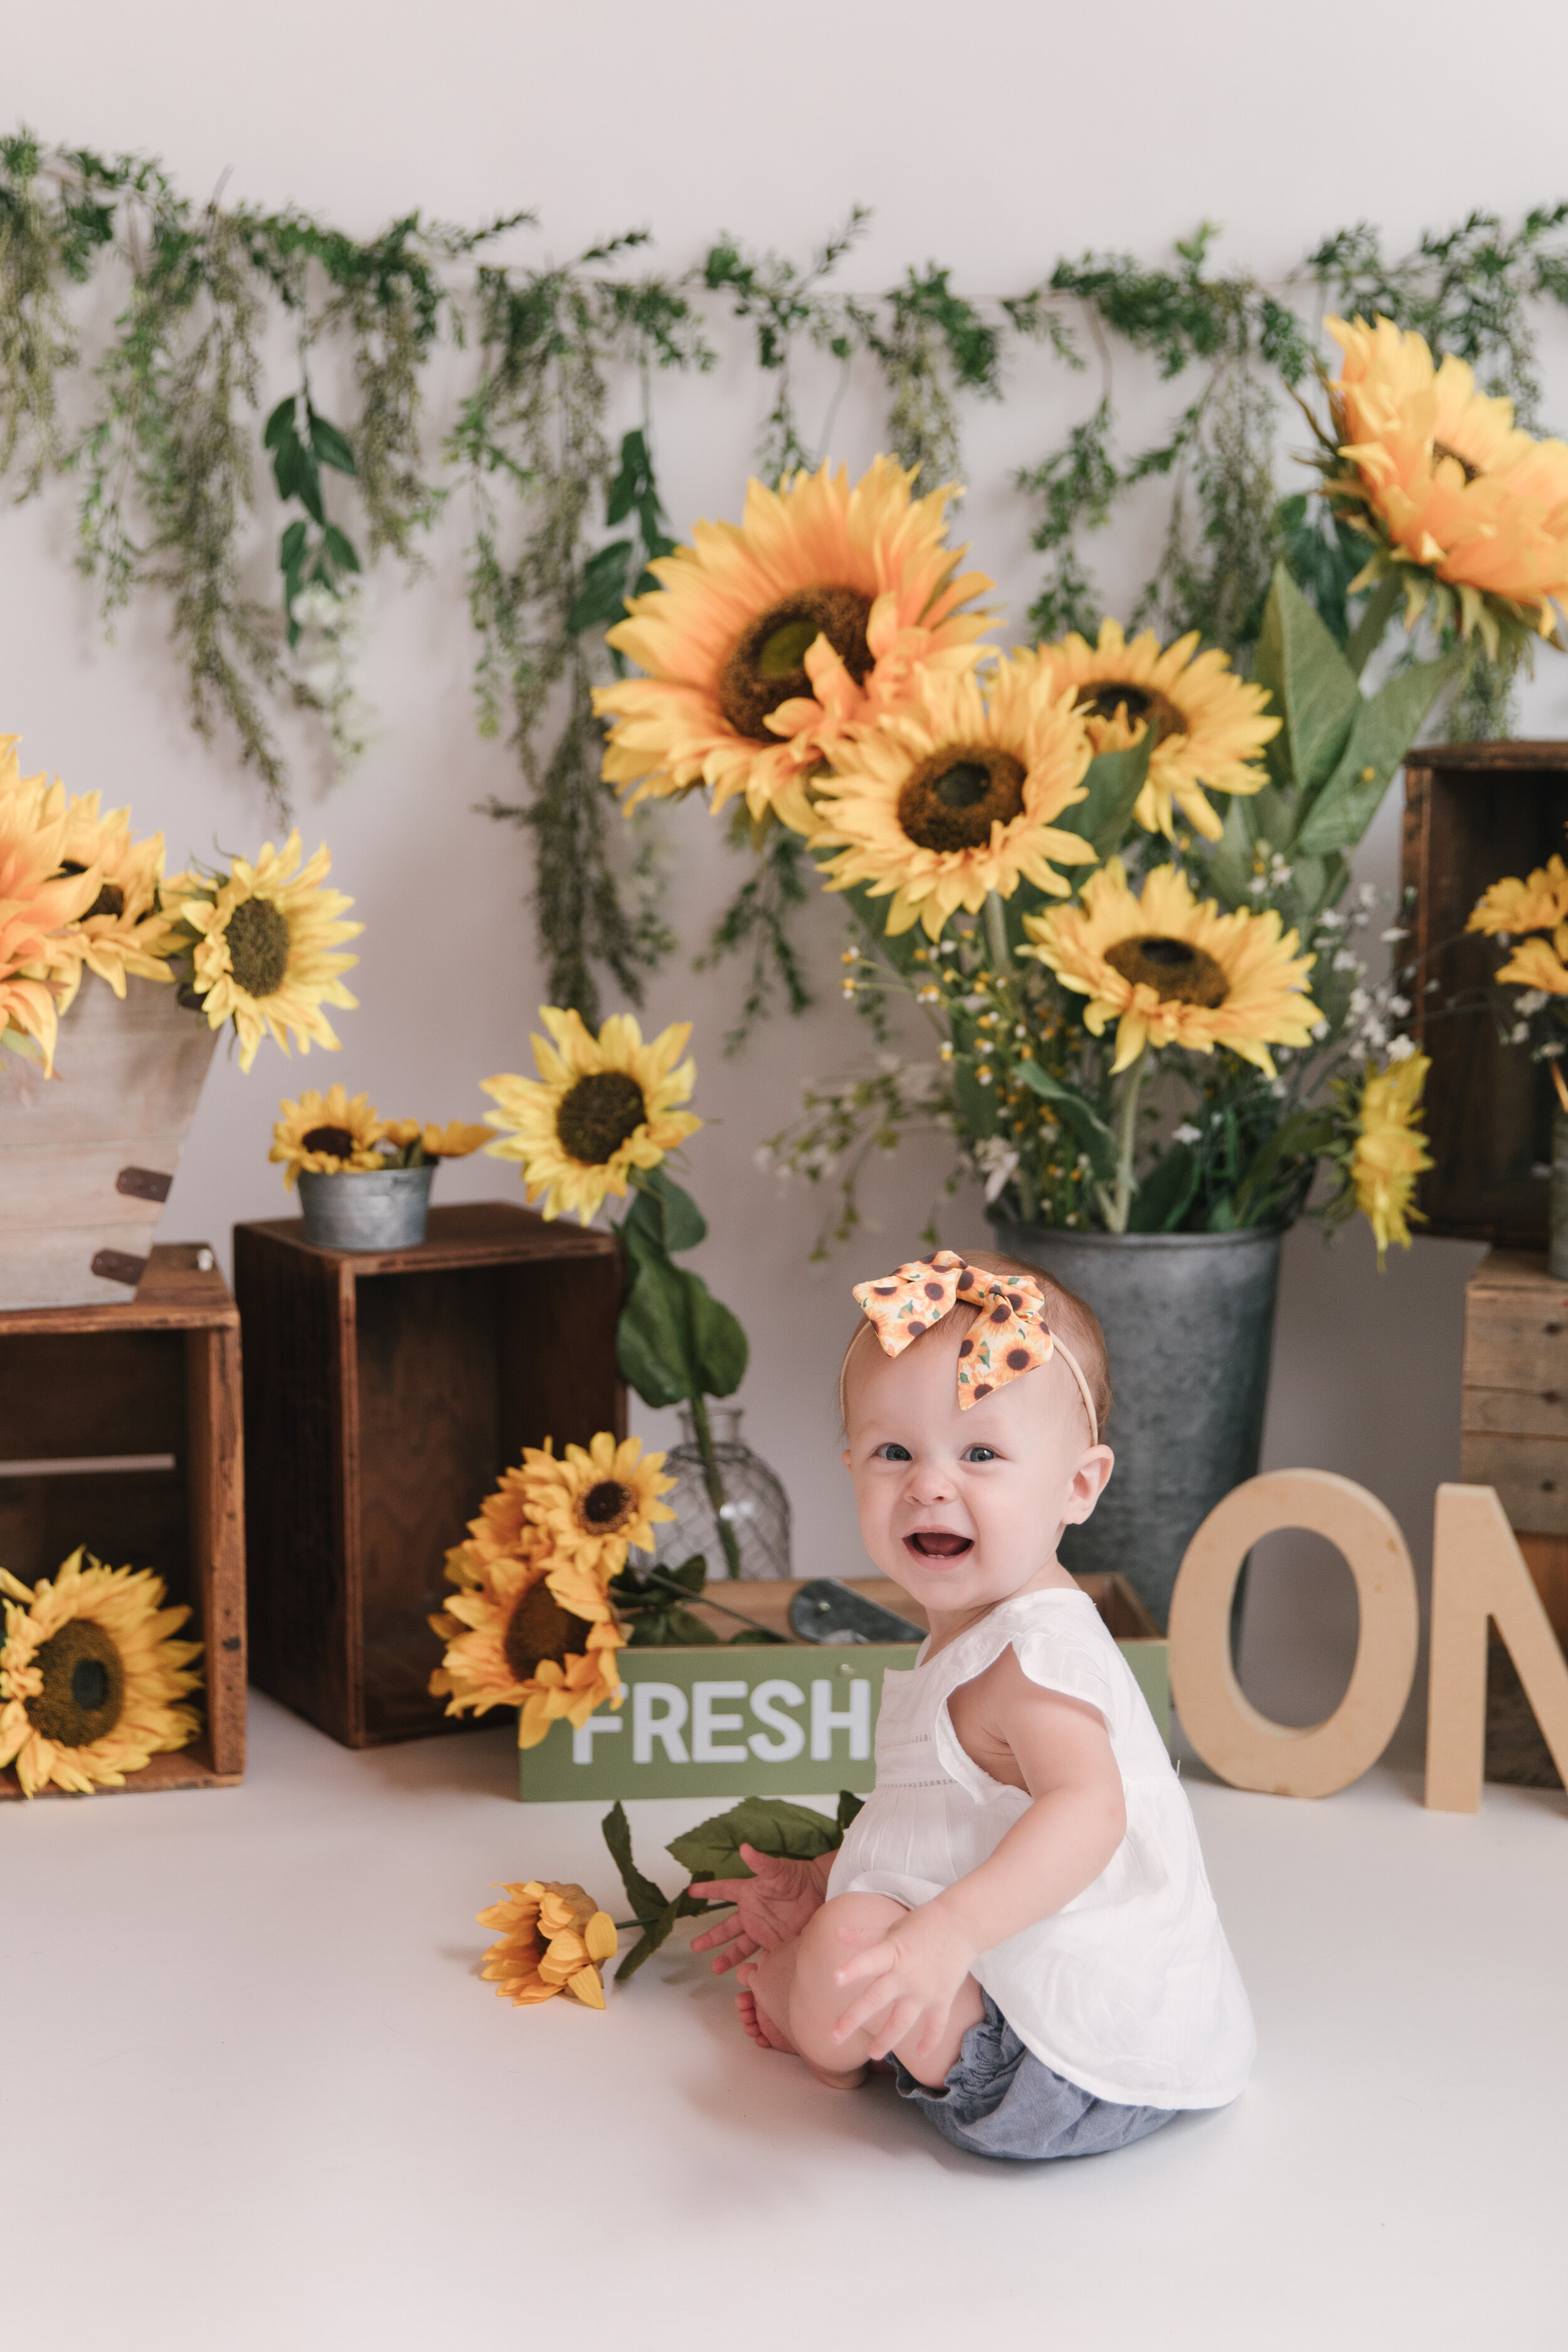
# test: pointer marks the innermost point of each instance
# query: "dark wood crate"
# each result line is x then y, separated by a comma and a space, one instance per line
155, 1382
386, 1391
1474, 812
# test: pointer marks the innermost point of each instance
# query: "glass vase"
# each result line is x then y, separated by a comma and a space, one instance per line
755, 1509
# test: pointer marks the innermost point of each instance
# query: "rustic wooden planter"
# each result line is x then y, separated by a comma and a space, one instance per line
1474, 812
386, 1391
120, 1429
87, 1157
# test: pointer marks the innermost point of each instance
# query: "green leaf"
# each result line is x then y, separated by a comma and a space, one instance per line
684, 1225
692, 1574
685, 1906
770, 1823
719, 1341
1314, 689
601, 598
280, 425
340, 548
651, 1339
1094, 1138
1165, 1194
1230, 859
329, 447
291, 546
849, 1804
647, 1900
1113, 780
1301, 1136
1385, 727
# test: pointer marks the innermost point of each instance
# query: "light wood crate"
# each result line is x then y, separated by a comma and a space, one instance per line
1514, 1415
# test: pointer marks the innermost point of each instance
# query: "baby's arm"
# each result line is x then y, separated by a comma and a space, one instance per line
1060, 1750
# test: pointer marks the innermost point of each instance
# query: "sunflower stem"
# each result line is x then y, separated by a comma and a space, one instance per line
996, 934
714, 1483
1119, 1207
1367, 634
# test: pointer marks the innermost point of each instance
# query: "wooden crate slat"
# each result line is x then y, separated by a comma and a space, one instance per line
1515, 1412
1530, 1475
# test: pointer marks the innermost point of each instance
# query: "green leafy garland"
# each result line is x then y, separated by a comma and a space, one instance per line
564, 522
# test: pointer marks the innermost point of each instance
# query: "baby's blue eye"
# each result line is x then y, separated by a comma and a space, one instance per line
980, 1453
893, 1452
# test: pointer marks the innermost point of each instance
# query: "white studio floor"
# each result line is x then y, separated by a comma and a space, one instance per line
254, 2096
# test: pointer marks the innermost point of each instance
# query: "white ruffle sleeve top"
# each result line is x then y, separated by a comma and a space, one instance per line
1131, 1991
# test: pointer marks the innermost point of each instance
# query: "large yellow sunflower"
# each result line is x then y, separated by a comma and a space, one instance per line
1391, 1150
1443, 477
264, 940
955, 794
124, 929
534, 1632
1170, 970
91, 1679
36, 901
326, 1134
1538, 904
554, 1938
761, 639
593, 1502
600, 1107
1209, 725
1539, 963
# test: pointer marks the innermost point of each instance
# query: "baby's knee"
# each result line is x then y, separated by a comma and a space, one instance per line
846, 1925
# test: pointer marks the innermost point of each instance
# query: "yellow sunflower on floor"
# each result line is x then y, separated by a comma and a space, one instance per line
1444, 480
1390, 1150
955, 794
554, 1938
326, 1134
534, 1632
1209, 725
37, 902
599, 1107
91, 1679
1539, 903
592, 1502
1170, 970
265, 937
763, 639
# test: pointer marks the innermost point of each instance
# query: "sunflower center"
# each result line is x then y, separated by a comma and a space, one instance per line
766, 665
606, 1508
335, 1139
598, 1114
539, 1628
84, 1686
1440, 449
1178, 972
257, 940
111, 899
1109, 695
953, 799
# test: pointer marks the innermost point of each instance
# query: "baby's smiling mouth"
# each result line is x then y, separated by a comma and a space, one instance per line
938, 1543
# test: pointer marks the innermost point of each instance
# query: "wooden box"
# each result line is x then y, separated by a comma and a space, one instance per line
385, 1392
1514, 1423
700, 1723
1473, 813
120, 1429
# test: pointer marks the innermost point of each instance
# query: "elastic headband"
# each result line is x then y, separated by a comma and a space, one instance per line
1010, 1338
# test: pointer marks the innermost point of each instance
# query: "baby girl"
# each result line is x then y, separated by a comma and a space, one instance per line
1019, 1918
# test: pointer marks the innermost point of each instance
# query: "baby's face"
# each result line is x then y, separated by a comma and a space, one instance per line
964, 1508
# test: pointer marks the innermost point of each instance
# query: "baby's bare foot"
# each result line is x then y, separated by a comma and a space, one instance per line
764, 2030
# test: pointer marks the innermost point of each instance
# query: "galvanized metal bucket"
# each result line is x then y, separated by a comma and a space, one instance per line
1189, 1324
366, 1209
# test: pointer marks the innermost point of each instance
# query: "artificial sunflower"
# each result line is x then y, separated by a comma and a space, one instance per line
955, 794
264, 940
413, 1142
554, 1938
1390, 1150
600, 1107
91, 1679
762, 639
124, 929
37, 902
1446, 484
531, 1632
1170, 970
1537, 904
593, 1502
1539, 963
1209, 725
327, 1134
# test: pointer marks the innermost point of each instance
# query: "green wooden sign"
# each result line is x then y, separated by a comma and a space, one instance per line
767, 1721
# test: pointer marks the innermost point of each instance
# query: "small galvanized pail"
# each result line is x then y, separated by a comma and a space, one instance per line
366, 1209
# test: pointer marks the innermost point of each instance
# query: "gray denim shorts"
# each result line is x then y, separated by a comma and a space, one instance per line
999, 2099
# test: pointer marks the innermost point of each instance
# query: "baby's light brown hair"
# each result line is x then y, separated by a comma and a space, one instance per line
1065, 1312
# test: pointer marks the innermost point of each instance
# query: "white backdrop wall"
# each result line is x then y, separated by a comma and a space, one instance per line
993, 142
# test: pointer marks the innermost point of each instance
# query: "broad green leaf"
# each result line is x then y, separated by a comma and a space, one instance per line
340, 548
647, 1900
684, 1225
1092, 1136
651, 1339
280, 426
684, 1906
1314, 689
1165, 1194
1301, 1136
1113, 782
849, 1804
719, 1344
713, 1850
331, 448
291, 546
601, 600
1385, 727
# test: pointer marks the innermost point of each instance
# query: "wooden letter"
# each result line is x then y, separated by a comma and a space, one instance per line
1479, 1571
1230, 1734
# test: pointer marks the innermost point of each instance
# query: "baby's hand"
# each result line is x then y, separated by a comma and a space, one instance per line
911, 1979
770, 1909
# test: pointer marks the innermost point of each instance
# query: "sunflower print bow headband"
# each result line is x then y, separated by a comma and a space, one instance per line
1010, 1338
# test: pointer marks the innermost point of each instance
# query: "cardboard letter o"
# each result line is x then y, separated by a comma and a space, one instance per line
1230, 1734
